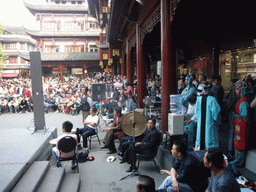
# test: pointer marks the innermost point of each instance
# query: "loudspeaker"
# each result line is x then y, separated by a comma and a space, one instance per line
98, 92
37, 90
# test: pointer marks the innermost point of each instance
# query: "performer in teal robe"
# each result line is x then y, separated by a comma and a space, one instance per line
189, 90
207, 112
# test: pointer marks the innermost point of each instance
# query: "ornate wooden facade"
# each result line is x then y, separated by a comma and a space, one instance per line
191, 29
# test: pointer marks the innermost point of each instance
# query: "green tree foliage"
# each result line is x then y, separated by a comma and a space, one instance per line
1, 29
3, 56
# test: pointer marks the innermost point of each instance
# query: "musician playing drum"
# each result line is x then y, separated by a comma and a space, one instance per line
114, 132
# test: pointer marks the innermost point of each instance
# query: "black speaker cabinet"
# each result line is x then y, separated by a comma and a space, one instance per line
37, 90
98, 92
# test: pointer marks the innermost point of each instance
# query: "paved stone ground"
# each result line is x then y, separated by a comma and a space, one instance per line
97, 175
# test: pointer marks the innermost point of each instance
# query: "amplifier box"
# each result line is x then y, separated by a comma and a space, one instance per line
175, 123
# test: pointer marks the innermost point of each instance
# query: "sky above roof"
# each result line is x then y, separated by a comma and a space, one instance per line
14, 13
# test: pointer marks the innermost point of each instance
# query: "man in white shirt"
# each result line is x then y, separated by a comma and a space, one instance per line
90, 125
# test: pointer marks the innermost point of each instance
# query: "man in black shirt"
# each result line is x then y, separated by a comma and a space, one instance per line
182, 174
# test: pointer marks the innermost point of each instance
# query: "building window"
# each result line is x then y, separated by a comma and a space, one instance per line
72, 48
9, 46
73, 2
49, 25
22, 46
13, 59
93, 48
79, 2
22, 61
57, 2
52, 49
74, 25
63, 2
93, 24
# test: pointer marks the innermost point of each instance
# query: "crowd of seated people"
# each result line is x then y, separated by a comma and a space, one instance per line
64, 97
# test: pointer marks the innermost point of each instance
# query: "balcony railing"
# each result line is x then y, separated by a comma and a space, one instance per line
17, 66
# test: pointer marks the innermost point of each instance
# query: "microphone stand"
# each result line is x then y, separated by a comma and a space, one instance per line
134, 171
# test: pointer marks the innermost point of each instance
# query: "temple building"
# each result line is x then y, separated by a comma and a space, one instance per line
68, 38
16, 43
176, 37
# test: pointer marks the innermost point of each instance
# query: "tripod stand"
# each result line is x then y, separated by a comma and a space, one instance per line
134, 171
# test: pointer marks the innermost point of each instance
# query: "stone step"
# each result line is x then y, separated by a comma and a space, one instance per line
250, 163
33, 177
52, 180
71, 182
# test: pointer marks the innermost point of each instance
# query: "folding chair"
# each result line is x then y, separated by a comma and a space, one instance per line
150, 157
141, 157
66, 145
93, 136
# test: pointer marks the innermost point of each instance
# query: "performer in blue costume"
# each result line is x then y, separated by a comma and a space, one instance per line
207, 112
187, 92
190, 121
239, 132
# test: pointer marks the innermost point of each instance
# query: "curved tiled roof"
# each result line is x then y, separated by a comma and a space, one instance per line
14, 29
17, 38
77, 56
56, 8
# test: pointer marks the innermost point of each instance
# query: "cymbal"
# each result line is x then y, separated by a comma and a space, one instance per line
140, 123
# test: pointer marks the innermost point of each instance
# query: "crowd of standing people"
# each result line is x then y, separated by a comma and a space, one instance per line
206, 106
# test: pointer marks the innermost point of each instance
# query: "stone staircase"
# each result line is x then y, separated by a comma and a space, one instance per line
45, 178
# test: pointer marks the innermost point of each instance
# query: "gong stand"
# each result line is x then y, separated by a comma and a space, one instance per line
133, 173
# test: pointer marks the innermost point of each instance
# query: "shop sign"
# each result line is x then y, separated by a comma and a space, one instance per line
77, 71
58, 68
200, 64
108, 70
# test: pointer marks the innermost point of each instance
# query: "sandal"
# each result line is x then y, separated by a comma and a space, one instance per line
91, 158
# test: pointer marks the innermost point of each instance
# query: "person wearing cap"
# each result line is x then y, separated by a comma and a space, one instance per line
238, 136
114, 132
207, 113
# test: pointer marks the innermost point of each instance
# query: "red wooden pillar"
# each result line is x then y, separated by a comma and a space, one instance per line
61, 72
86, 46
110, 56
123, 65
216, 65
141, 83
101, 36
128, 63
85, 71
168, 62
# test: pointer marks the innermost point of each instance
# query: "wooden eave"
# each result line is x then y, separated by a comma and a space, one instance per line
94, 8
119, 18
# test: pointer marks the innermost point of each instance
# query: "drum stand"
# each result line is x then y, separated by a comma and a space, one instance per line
134, 171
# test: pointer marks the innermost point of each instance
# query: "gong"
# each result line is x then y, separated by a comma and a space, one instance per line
140, 124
